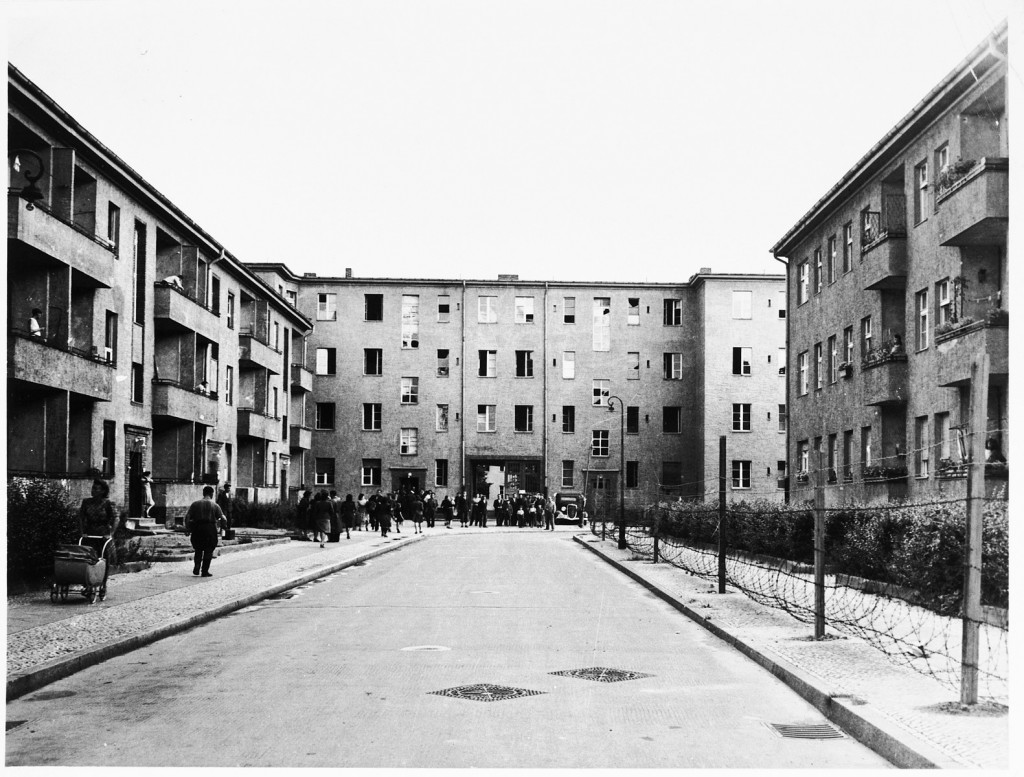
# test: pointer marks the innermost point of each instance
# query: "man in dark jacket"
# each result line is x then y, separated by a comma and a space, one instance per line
203, 522
224, 503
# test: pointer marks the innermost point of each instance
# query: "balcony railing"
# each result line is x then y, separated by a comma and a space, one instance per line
889, 222
59, 365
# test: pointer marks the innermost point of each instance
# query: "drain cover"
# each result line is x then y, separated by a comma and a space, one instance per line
13, 724
602, 674
486, 692
814, 731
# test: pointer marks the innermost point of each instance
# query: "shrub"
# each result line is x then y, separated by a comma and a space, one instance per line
40, 516
264, 515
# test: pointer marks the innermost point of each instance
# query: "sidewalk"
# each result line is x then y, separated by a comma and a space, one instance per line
903, 715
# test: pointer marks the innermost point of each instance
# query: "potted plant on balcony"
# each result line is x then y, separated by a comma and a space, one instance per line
845, 369
952, 469
953, 174
997, 317
879, 473
803, 477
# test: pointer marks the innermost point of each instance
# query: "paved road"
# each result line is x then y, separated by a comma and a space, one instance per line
345, 673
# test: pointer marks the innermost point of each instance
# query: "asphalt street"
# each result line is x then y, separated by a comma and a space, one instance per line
441, 656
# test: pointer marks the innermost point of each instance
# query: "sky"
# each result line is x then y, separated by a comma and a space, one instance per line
639, 140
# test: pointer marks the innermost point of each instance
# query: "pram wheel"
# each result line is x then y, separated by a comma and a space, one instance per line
90, 594
103, 593
53, 593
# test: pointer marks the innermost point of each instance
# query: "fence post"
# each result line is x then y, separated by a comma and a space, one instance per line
721, 514
819, 550
973, 536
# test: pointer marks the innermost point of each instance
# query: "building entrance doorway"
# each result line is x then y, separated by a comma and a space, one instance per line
505, 477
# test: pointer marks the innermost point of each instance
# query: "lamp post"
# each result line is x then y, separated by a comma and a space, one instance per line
30, 193
622, 466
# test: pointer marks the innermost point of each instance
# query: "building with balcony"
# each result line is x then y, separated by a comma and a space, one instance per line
546, 387
135, 340
899, 282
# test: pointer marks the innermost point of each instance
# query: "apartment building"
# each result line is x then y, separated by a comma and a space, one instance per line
542, 386
899, 282
135, 340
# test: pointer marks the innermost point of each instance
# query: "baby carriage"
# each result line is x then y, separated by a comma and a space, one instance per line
82, 565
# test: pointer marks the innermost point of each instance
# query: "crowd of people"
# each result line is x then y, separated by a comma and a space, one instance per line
325, 515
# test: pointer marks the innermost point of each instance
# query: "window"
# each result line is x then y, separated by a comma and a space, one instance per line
568, 419
110, 338
832, 259
602, 390
833, 457
673, 312
524, 364
633, 312
672, 420
922, 319
920, 190
442, 362
848, 454
817, 271
782, 361
632, 419
819, 375
673, 363
599, 442
740, 474
441, 472
742, 304
633, 365
865, 336
848, 345
370, 472
671, 473
847, 247
741, 357
783, 418
274, 414
441, 418
277, 336
524, 310
114, 226
324, 415
444, 312
833, 360
487, 364
373, 307
326, 307
569, 365
921, 446
943, 440
410, 321
568, 310
109, 437
408, 441
485, 418
801, 366
324, 472
801, 289
602, 323
229, 385
231, 310
487, 310
803, 457
326, 361
373, 361
292, 296
941, 158
137, 382
410, 391
865, 446
371, 416
632, 474
215, 294
945, 308
524, 418
139, 270
782, 303
567, 474
741, 417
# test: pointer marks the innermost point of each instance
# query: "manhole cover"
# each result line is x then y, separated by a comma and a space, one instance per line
602, 674
813, 731
426, 648
13, 724
486, 692
47, 695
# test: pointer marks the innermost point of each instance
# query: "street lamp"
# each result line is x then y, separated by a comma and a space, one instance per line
30, 193
622, 466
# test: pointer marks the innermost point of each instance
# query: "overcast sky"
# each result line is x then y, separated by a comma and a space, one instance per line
636, 140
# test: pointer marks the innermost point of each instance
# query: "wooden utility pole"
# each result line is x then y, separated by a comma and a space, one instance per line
972, 613
721, 514
819, 550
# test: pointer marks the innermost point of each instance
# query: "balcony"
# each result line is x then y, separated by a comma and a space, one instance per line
253, 423
175, 401
33, 360
959, 348
884, 244
300, 437
173, 309
302, 379
38, 235
884, 377
973, 204
256, 353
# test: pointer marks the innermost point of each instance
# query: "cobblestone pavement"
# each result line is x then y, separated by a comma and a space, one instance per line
849, 668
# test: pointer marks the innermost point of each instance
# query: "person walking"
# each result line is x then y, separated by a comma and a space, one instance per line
362, 520
348, 516
96, 524
447, 511
396, 512
335, 534
321, 513
462, 507
224, 502
303, 511
382, 512
417, 514
429, 509
203, 522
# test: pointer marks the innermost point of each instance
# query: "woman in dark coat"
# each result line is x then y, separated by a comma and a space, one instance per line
348, 515
320, 515
96, 519
382, 510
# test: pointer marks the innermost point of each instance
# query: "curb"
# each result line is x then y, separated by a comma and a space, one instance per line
20, 684
867, 726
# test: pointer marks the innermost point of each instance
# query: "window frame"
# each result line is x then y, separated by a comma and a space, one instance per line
741, 412
409, 441
600, 440
372, 412
410, 390
523, 419
326, 306
489, 418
